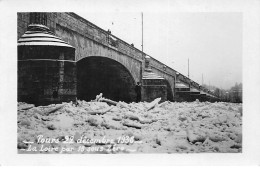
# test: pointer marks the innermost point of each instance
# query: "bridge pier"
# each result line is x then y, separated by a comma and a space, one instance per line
153, 85
46, 68
154, 88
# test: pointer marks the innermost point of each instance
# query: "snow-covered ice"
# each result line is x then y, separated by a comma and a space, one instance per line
167, 127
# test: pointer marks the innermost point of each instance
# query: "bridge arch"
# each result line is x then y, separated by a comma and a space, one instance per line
96, 74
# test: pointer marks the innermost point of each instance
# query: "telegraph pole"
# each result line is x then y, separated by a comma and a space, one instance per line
142, 35
141, 71
202, 80
188, 69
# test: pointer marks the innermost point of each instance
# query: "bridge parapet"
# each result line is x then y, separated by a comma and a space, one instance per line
195, 85
73, 22
182, 78
161, 67
105, 37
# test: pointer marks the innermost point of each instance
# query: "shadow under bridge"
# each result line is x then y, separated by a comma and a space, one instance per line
97, 75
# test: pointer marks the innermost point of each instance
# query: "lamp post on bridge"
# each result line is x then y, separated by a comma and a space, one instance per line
188, 68
141, 70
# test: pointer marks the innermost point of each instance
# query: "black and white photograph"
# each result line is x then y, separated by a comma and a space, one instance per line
134, 80
83, 90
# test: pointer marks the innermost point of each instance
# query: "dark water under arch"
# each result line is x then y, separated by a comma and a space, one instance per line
97, 75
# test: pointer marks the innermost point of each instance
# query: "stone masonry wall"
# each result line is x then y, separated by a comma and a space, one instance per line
154, 88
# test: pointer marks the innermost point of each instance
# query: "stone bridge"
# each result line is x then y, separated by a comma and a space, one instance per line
62, 56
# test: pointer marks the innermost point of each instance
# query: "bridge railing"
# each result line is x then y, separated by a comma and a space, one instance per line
112, 40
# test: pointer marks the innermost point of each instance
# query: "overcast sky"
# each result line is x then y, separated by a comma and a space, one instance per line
212, 41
